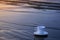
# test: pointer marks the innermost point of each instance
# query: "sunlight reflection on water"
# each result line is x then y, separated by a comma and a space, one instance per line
13, 20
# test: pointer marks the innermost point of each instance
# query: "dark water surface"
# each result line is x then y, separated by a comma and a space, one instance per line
12, 21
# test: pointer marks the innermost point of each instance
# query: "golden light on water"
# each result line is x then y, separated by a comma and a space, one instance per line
5, 6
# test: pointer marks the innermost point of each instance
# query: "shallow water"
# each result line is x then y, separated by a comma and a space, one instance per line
19, 18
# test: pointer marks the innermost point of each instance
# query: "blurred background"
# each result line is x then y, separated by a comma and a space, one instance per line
18, 18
